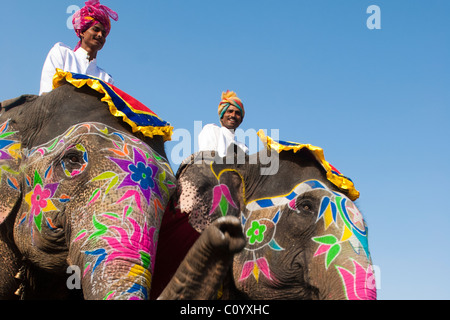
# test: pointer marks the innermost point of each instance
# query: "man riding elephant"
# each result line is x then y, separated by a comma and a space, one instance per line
92, 25
84, 183
231, 114
305, 238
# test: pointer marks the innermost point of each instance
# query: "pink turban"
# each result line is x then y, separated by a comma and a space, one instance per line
92, 13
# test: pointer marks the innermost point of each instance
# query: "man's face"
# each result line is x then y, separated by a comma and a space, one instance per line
94, 37
232, 118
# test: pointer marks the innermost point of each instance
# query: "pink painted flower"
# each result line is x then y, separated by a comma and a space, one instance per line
138, 246
221, 198
39, 199
359, 285
254, 267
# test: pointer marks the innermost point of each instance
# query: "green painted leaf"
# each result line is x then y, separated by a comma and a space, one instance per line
101, 228
170, 184
157, 157
113, 182
328, 239
38, 221
129, 211
145, 258
162, 177
105, 175
37, 179
53, 144
338, 201
80, 232
6, 134
332, 254
94, 194
223, 204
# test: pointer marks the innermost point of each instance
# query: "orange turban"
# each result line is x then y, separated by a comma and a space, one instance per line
230, 98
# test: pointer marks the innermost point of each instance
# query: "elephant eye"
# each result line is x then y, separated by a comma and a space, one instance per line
305, 206
73, 158
74, 161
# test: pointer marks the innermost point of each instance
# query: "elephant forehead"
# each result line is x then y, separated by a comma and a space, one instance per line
83, 131
284, 199
97, 146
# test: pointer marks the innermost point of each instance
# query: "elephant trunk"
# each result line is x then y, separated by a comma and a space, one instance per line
116, 259
122, 280
202, 272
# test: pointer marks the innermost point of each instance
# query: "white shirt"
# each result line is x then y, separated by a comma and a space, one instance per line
213, 137
64, 58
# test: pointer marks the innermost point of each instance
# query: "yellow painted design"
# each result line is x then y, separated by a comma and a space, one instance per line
14, 151
347, 234
139, 271
256, 272
328, 217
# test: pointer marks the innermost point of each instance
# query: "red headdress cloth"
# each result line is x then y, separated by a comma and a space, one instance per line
92, 13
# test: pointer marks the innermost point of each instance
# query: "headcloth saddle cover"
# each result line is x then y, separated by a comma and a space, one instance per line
121, 105
344, 183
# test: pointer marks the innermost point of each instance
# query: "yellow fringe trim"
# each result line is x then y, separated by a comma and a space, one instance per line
339, 181
148, 131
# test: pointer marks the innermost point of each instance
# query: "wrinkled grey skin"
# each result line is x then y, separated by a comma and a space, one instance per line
289, 261
39, 242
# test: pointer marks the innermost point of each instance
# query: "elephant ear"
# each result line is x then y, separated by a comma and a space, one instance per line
10, 154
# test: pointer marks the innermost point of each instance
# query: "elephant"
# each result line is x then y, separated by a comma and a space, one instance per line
83, 189
305, 236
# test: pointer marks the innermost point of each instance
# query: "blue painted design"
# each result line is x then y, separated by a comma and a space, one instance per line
323, 206
315, 184
291, 196
138, 288
101, 253
276, 217
265, 203
274, 245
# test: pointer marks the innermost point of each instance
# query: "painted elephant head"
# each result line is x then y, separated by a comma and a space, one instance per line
306, 239
81, 198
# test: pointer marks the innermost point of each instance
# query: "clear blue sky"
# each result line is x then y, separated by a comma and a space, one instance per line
376, 100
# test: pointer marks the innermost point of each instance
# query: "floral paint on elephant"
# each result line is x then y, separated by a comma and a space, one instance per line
338, 214
9, 165
354, 230
333, 207
128, 199
260, 233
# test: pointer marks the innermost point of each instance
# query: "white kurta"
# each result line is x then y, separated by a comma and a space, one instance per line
64, 58
213, 137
